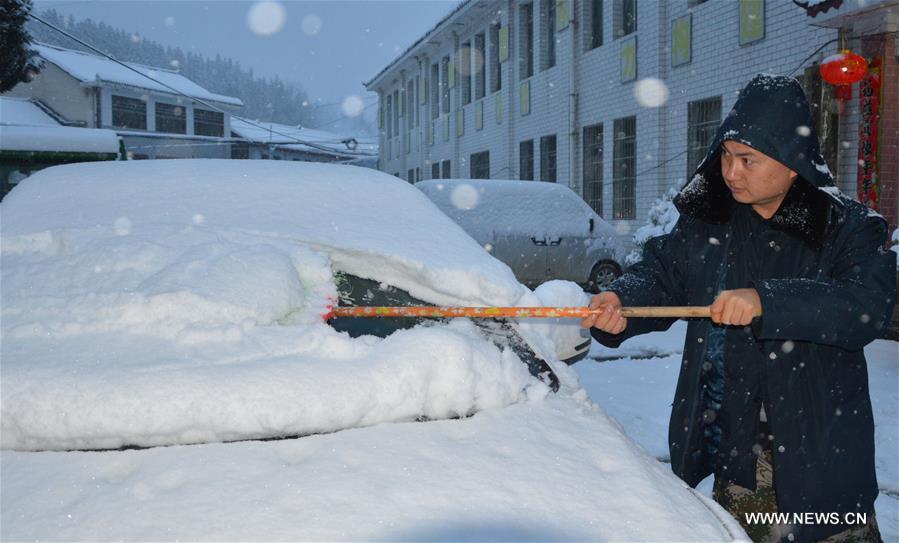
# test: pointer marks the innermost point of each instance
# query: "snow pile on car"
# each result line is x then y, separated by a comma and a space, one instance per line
167, 302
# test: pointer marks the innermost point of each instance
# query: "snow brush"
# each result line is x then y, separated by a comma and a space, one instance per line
516, 312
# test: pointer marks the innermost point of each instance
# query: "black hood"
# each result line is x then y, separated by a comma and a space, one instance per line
771, 115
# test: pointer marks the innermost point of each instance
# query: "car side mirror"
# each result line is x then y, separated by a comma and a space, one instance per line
591, 226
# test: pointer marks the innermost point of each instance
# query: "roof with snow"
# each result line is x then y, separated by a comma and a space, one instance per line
24, 126
89, 68
298, 138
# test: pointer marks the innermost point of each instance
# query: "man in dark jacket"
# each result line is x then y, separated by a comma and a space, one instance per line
772, 396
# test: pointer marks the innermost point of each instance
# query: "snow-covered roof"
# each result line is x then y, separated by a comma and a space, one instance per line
23, 111
89, 68
26, 127
288, 137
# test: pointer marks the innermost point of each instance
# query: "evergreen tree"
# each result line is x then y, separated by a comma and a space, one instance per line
17, 62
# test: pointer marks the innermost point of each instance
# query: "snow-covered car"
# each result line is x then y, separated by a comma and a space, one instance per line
164, 349
543, 231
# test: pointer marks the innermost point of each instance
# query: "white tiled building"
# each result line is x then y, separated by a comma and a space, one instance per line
545, 89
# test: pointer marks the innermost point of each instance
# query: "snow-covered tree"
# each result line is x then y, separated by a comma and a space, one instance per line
17, 61
662, 218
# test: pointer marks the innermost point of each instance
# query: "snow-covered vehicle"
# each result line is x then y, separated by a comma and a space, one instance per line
162, 335
543, 231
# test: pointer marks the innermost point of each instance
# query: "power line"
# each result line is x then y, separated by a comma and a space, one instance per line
176, 91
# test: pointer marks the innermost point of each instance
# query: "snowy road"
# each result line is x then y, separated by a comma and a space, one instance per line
634, 384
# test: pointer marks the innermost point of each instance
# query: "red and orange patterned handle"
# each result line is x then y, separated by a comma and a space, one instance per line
515, 312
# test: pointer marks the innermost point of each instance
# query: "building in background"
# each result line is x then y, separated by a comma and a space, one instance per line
31, 139
619, 98
171, 117
264, 140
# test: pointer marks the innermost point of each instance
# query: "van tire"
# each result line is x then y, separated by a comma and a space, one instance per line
602, 274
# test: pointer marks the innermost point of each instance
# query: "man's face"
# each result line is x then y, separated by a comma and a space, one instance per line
755, 178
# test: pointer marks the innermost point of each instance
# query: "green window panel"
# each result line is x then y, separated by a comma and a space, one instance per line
460, 123
752, 21
503, 43
479, 115
629, 59
400, 102
451, 72
561, 14
499, 108
422, 95
525, 95
431, 134
681, 40
445, 128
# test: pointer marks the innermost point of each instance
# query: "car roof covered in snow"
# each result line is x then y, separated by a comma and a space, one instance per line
497, 206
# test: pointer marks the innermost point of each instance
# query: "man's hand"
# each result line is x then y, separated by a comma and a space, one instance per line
610, 319
737, 307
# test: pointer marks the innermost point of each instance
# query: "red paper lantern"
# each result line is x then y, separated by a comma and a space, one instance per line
844, 68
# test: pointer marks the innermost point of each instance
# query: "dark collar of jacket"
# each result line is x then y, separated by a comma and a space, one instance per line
805, 211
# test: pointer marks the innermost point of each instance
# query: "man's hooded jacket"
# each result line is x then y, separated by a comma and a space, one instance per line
827, 288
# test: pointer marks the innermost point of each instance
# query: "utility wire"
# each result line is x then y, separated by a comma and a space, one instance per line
178, 92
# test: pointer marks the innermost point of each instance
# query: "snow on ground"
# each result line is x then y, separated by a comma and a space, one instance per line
538, 471
635, 384
170, 302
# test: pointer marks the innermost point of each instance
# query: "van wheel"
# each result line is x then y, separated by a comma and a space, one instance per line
602, 275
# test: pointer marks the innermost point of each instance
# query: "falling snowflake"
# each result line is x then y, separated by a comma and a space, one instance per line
266, 18
651, 92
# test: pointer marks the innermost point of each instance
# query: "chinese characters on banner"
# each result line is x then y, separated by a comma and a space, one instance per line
869, 112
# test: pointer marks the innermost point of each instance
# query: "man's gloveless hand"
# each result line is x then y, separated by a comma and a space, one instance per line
609, 319
736, 307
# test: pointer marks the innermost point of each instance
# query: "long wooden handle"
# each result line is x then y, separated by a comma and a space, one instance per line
515, 312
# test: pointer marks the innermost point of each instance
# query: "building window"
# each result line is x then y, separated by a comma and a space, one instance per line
496, 73
389, 115
410, 105
480, 165
703, 118
625, 17
435, 90
548, 158
526, 41
445, 167
396, 113
465, 69
480, 86
693, 3
444, 85
594, 32
170, 118
129, 113
624, 169
526, 160
209, 123
417, 174
548, 25
410, 177
435, 170
593, 167
240, 150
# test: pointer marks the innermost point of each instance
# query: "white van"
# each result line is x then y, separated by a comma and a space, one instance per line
543, 231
